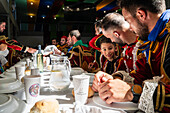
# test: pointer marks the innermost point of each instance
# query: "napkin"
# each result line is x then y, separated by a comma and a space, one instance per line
79, 108
3, 54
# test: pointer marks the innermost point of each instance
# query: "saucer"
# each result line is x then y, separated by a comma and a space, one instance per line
129, 106
9, 85
11, 104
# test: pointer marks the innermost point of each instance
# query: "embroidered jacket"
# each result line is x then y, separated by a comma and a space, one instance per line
12, 44
81, 56
129, 57
153, 59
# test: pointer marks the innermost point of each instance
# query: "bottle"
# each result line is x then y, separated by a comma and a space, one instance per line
40, 59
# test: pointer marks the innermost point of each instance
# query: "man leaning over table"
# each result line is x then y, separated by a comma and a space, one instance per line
151, 22
11, 43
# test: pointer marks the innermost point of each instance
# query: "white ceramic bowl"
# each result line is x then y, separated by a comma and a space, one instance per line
10, 74
9, 85
21, 63
76, 71
10, 104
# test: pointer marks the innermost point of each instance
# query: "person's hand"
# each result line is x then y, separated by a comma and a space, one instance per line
3, 47
115, 90
99, 78
90, 65
57, 51
31, 50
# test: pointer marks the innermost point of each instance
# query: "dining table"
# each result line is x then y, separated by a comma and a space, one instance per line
67, 101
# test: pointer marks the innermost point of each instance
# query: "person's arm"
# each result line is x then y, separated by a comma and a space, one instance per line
17, 46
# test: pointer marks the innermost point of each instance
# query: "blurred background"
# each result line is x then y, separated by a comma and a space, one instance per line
33, 22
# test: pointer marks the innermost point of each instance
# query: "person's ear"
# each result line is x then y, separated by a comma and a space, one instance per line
141, 14
116, 34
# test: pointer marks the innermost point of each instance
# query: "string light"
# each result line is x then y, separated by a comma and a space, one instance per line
48, 6
31, 16
104, 11
55, 18
67, 8
32, 3
43, 17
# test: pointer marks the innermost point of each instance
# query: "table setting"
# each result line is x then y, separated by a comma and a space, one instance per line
69, 86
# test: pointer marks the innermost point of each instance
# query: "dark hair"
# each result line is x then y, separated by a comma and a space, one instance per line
106, 40
154, 6
114, 20
2, 20
75, 33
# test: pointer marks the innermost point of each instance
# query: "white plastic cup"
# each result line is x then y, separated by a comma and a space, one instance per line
35, 71
32, 88
20, 72
81, 86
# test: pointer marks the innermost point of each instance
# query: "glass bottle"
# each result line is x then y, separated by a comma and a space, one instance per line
40, 59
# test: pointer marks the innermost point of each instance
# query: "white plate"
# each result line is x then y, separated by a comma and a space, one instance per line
11, 104
9, 85
10, 74
76, 71
116, 105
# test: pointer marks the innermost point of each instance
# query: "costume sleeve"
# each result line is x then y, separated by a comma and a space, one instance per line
121, 64
14, 45
161, 98
162, 94
74, 57
93, 41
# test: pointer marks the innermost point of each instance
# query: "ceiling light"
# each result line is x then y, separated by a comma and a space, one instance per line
32, 3
48, 6
78, 9
31, 16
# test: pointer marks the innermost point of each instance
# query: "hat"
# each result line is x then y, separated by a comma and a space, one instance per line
65, 37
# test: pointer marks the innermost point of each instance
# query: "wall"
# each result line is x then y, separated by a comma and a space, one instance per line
31, 41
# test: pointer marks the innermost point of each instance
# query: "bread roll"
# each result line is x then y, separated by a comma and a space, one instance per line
45, 106
90, 93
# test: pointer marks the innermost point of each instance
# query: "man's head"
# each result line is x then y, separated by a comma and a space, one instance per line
97, 27
63, 40
73, 37
139, 14
54, 42
2, 26
116, 28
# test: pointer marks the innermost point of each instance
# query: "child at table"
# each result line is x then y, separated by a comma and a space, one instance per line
108, 59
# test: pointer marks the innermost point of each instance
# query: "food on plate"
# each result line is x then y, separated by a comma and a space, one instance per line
46, 106
90, 93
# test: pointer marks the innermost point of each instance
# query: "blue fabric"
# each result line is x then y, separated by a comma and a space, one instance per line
1, 68
160, 25
69, 49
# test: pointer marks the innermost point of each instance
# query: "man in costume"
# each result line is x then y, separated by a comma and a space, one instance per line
151, 22
80, 54
11, 43
63, 47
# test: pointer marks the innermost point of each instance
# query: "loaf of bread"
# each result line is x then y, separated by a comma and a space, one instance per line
90, 93
46, 106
